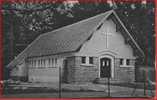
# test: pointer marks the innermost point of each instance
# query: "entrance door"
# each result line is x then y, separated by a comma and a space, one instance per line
105, 67
65, 72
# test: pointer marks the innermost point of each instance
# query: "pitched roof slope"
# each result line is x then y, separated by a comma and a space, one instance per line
66, 39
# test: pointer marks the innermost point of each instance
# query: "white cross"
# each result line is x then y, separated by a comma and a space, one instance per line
106, 34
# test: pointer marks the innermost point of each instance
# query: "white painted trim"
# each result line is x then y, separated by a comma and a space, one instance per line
108, 52
87, 60
92, 65
112, 64
126, 66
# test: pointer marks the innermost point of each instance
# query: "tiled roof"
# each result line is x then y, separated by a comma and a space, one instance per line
65, 39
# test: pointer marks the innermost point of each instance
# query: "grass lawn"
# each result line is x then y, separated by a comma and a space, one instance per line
74, 91
77, 95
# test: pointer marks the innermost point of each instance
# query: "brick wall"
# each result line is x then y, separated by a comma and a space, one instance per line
123, 74
43, 75
79, 72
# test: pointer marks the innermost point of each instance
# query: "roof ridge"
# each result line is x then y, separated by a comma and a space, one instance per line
59, 29
78, 22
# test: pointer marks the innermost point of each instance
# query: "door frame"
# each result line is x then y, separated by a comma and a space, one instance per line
112, 64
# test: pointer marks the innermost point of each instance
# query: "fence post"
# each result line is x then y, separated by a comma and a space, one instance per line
60, 82
144, 74
108, 87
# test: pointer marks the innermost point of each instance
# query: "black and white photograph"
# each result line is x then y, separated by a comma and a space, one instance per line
75, 49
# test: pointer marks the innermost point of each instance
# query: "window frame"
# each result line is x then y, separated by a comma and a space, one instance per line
91, 60
55, 62
121, 62
128, 62
87, 61
125, 63
83, 59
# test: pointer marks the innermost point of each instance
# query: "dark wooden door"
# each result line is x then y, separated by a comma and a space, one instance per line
105, 67
65, 72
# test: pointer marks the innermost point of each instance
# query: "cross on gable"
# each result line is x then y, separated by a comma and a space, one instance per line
107, 32
106, 35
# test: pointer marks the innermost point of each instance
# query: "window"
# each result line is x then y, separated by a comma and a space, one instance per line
34, 63
39, 63
44, 63
90, 60
52, 64
121, 61
30, 63
49, 62
55, 62
127, 61
83, 60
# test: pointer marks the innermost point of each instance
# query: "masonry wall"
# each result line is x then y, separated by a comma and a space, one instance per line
124, 74
107, 41
79, 72
86, 72
45, 69
44, 75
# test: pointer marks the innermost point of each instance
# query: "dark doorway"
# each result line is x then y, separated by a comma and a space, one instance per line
105, 67
65, 72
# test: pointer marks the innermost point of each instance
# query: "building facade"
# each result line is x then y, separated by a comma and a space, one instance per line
96, 48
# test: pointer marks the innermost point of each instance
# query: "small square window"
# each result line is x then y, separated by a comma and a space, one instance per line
83, 60
90, 60
44, 63
38, 62
41, 62
49, 61
55, 60
121, 61
127, 61
34, 63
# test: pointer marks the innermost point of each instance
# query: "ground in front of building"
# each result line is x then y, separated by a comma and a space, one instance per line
84, 90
